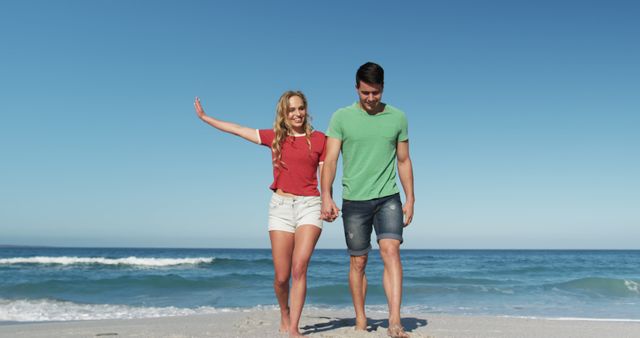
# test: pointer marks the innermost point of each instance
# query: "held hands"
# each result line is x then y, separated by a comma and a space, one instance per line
329, 210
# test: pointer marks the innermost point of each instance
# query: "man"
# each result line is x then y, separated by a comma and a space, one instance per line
371, 135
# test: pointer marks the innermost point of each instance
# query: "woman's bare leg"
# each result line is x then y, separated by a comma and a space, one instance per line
282, 243
306, 238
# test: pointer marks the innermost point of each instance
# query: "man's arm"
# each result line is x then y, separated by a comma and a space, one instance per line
405, 170
329, 209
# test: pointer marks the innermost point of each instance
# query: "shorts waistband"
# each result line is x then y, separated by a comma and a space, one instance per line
280, 198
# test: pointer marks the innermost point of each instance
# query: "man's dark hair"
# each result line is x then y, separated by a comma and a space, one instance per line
371, 73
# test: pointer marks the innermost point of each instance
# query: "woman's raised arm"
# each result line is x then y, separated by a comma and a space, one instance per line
248, 134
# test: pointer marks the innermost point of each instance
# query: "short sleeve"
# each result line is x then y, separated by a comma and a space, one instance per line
335, 127
404, 129
266, 136
324, 148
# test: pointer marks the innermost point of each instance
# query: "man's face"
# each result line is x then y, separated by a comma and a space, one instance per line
370, 95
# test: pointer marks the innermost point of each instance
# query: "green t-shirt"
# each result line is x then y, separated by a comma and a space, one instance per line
368, 150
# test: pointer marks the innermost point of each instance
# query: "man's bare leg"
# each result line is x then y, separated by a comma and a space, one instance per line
392, 281
281, 250
358, 286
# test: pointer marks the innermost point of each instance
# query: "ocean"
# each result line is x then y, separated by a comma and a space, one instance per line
61, 284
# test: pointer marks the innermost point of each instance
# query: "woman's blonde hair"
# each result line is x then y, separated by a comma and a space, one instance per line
282, 128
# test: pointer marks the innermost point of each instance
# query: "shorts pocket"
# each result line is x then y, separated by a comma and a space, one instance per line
274, 203
313, 202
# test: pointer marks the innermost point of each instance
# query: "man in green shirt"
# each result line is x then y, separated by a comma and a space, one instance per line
371, 135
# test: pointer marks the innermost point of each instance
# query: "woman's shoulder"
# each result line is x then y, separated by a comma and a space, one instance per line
317, 133
268, 133
265, 136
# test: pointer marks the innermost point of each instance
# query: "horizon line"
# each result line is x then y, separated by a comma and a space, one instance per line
4, 246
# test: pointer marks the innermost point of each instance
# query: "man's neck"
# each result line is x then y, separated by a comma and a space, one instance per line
377, 110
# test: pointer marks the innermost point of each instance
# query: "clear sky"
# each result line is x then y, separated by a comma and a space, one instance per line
524, 117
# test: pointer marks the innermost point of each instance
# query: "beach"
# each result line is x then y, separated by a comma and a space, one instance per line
324, 323
141, 292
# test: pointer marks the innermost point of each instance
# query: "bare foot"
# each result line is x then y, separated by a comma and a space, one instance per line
396, 331
296, 333
361, 324
284, 320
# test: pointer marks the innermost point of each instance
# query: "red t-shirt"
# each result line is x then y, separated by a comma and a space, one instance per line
297, 173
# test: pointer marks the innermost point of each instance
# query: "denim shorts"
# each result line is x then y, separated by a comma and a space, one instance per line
288, 213
383, 214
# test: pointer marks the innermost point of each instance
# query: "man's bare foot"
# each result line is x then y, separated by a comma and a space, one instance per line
284, 320
361, 324
396, 331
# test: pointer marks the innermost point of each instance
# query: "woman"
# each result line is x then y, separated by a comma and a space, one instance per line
294, 211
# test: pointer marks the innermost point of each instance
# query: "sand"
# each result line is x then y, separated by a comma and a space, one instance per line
324, 323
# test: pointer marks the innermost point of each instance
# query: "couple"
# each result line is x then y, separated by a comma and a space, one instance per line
371, 136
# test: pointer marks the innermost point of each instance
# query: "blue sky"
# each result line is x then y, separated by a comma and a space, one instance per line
523, 117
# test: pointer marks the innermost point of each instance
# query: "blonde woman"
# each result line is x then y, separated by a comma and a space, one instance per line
294, 211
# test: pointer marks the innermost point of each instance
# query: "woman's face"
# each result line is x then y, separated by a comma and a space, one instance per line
296, 114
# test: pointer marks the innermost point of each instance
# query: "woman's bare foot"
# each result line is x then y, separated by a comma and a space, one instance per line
361, 324
284, 320
396, 331
296, 333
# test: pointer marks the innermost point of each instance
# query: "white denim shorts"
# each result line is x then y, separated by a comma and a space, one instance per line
288, 213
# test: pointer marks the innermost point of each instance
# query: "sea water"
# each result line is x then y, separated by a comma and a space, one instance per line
59, 284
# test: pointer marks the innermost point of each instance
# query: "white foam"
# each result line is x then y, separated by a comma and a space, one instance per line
632, 286
139, 261
51, 310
